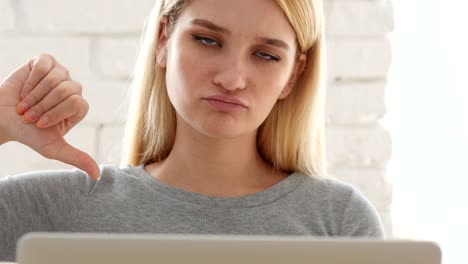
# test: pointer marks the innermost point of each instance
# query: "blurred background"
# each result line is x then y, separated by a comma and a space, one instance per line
428, 105
396, 107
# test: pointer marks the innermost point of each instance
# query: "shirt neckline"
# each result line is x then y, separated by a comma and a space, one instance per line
263, 197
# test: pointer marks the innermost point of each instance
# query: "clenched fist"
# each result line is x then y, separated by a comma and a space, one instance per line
39, 104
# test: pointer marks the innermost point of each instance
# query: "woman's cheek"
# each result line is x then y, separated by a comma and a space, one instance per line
190, 64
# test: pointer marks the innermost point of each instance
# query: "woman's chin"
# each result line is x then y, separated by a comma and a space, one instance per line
218, 127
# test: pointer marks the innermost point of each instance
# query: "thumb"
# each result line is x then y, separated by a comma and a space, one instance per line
18, 77
73, 156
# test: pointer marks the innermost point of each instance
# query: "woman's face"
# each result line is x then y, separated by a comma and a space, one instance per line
228, 63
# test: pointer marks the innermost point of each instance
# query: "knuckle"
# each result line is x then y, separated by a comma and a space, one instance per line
52, 80
42, 68
46, 57
66, 72
62, 71
76, 101
62, 92
79, 87
85, 107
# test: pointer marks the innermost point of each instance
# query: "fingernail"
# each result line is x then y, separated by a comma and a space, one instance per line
30, 116
43, 121
23, 107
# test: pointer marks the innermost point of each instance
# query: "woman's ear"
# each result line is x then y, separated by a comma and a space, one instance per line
161, 51
298, 69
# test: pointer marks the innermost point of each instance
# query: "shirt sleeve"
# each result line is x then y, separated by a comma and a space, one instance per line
45, 201
360, 218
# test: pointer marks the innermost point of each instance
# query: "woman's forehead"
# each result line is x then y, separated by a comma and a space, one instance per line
248, 17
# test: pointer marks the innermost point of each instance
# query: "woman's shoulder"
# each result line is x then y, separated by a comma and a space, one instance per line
341, 200
334, 191
65, 180
68, 181
326, 187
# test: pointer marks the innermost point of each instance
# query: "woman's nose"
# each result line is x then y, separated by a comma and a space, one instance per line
232, 73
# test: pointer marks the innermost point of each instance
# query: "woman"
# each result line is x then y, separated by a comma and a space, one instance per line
224, 135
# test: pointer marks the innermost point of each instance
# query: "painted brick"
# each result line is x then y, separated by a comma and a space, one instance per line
17, 158
107, 101
85, 16
114, 57
358, 18
110, 144
72, 52
355, 102
358, 58
358, 146
7, 17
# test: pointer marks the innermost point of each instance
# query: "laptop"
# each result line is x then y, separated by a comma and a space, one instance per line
100, 248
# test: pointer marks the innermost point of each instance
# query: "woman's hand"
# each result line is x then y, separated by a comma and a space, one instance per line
39, 104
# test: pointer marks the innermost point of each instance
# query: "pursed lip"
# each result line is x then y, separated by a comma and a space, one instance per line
227, 99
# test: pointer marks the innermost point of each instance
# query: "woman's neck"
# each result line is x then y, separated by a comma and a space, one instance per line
216, 167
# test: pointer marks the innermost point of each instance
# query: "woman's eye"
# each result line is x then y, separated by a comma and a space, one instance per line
207, 41
267, 56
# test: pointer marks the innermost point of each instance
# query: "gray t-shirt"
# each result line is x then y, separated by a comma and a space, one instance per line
129, 200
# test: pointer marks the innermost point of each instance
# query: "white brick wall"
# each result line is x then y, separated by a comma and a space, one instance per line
84, 16
7, 17
353, 18
105, 100
18, 48
355, 102
114, 57
98, 41
109, 143
359, 57
356, 58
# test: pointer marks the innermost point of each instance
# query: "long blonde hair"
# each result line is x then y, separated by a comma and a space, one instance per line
292, 136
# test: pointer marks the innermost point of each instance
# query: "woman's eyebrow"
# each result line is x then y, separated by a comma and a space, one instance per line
209, 25
274, 42
212, 26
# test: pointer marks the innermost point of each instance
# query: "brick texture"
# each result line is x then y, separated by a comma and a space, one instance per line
7, 17
85, 16
73, 52
353, 102
110, 137
359, 18
114, 57
358, 58
358, 146
107, 101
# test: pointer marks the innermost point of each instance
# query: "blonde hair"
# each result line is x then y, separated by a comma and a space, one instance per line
292, 136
